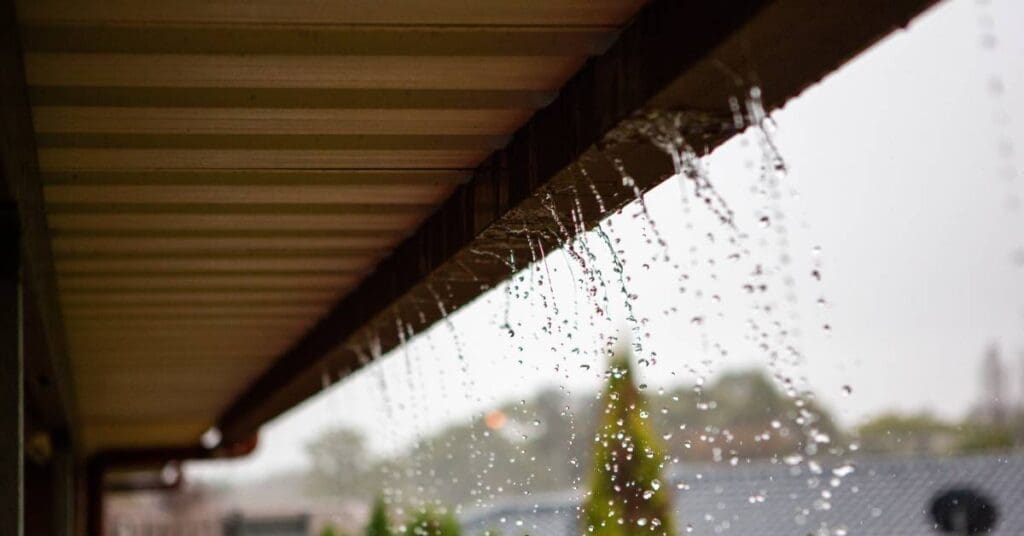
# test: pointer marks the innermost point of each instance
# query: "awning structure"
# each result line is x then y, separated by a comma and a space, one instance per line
216, 176
216, 198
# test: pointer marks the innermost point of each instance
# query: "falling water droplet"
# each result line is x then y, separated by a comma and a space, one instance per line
843, 470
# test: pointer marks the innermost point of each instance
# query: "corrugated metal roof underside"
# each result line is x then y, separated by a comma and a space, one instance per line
216, 174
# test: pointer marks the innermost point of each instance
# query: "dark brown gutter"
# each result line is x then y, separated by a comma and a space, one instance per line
684, 55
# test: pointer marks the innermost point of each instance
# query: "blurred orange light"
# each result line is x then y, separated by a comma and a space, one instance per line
495, 419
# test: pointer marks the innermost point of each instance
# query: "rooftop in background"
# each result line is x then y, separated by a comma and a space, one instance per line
880, 496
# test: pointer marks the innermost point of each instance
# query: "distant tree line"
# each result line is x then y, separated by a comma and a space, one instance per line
994, 423
546, 443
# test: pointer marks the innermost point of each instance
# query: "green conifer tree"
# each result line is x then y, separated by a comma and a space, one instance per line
627, 493
378, 524
433, 523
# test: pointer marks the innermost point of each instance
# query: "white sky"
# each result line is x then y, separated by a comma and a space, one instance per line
905, 162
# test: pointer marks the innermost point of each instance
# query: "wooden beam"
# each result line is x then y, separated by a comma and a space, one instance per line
263, 311
139, 336
202, 328
274, 277
343, 263
256, 178
202, 296
558, 13
289, 98
282, 71
250, 218
110, 365
12, 396
675, 54
212, 282
268, 142
332, 121
354, 253
289, 187
320, 39
66, 246
20, 187
160, 355
381, 194
117, 159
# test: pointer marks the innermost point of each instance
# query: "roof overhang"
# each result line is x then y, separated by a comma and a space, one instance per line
509, 142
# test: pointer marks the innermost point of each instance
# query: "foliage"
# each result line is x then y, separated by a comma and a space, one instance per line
908, 434
431, 522
626, 491
331, 530
378, 524
889, 423
980, 438
924, 433
753, 418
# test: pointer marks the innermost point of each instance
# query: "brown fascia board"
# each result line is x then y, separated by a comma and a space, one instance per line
689, 55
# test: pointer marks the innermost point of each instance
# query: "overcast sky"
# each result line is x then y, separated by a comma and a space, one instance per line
903, 168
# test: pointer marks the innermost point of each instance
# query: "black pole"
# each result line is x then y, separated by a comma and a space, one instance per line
12, 411
94, 497
63, 491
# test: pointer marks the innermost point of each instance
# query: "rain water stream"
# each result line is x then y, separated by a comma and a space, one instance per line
723, 312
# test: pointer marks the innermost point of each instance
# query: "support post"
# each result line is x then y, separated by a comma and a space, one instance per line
12, 458
49, 492
63, 491
94, 511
